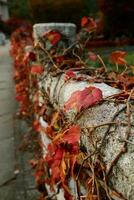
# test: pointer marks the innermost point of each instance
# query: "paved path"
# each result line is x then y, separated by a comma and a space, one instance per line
12, 187
7, 109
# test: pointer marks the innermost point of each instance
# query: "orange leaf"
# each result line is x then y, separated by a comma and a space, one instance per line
83, 99
118, 57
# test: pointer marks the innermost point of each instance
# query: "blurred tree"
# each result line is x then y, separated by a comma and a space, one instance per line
19, 9
60, 10
118, 17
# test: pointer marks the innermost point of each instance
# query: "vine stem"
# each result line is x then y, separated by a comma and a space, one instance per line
103, 124
117, 67
86, 158
49, 56
102, 62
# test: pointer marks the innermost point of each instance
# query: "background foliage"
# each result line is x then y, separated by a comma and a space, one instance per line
118, 17
115, 17
19, 9
58, 11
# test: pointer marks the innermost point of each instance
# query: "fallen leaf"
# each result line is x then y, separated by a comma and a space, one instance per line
83, 99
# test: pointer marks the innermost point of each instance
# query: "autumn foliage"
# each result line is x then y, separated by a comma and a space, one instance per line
65, 159
19, 40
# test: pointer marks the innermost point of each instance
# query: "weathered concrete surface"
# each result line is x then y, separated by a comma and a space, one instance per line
12, 131
7, 110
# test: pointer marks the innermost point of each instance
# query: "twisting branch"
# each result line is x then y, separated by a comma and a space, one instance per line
128, 132
85, 159
49, 56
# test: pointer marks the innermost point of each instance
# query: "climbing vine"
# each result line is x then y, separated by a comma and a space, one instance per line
65, 163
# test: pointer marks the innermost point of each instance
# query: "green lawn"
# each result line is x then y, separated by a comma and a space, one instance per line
130, 58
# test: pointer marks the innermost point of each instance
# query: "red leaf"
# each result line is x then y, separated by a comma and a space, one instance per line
38, 176
54, 158
21, 98
69, 74
36, 69
83, 99
55, 175
36, 126
117, 57
54, 37
73, 135
84, 21
54, 155
88, 23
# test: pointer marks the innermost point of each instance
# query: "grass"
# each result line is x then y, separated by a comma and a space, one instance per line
130, 58
105, 53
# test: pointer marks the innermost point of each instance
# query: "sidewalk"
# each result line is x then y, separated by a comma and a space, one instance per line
16, 175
